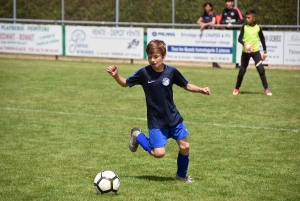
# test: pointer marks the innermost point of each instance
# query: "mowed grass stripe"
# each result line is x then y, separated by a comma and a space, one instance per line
144, 119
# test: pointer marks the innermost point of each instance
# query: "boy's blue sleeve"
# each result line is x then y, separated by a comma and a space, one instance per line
179, 80
135, 79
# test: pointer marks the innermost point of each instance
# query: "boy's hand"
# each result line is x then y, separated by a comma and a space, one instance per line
206, 90
113, 70
264, 56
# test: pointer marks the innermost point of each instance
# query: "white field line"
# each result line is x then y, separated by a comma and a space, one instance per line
144, 119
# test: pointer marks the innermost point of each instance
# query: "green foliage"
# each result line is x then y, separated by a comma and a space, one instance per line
270, 12
63, 122
31, 9
156, 11
90, 10
6, 9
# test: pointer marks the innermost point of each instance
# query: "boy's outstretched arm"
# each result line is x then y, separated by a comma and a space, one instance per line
113, 71
194, 88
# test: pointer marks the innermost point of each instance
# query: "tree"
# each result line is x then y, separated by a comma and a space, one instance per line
270, 12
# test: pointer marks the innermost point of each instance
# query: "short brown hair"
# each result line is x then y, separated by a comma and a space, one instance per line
156, 45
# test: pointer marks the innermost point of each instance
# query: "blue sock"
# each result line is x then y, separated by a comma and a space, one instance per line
266, 88
182, 165
144, 142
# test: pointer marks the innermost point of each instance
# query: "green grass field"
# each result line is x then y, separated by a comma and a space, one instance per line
63, 122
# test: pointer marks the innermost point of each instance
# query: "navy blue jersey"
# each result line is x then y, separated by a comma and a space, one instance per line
161, 110
208, 18
233, 16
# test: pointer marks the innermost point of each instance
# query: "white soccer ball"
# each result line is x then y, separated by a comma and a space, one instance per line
248, 47
107, 182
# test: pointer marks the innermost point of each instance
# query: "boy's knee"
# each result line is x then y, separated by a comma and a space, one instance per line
159, 153
184, 148
242, 71
261, 70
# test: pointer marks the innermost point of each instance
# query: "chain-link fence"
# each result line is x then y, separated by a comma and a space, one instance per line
270, 12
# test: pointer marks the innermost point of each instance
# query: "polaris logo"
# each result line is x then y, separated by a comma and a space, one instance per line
167, 34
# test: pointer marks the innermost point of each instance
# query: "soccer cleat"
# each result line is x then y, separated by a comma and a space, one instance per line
268, 92
235, 92
187, 179
133, 144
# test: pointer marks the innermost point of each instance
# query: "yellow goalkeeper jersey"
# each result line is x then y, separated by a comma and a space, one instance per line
251, 35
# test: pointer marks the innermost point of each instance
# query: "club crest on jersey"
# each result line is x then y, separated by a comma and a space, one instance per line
166, 81
232, 13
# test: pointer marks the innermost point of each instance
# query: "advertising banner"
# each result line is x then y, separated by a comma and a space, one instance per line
191, 45
292, 48
31, 39
274, 42
111, 42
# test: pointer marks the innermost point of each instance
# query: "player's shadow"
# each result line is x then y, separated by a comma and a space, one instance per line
155, 178
250, 92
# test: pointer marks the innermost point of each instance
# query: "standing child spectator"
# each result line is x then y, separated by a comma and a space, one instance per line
208, 17
249, 37
231, 15
164, 120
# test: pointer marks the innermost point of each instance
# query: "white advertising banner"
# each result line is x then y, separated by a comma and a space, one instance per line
274, 42
189, 45
292, 48
31, 39
113, 42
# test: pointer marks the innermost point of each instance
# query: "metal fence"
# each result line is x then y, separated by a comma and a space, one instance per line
270, 12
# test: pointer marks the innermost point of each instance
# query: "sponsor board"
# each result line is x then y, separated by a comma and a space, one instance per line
111, 42
31, 39
191, 45
292, 48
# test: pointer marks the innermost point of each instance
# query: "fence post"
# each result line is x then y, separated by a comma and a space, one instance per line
298, 4
62, 12
15, 11
173, 12
236, 3
117, 13
63, 40
145, 45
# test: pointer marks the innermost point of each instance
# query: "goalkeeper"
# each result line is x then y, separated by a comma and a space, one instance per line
249, 38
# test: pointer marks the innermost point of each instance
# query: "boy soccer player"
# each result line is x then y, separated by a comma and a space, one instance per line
249, 37
164, 120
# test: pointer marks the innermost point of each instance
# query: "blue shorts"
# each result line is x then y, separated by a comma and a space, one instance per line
159, 137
